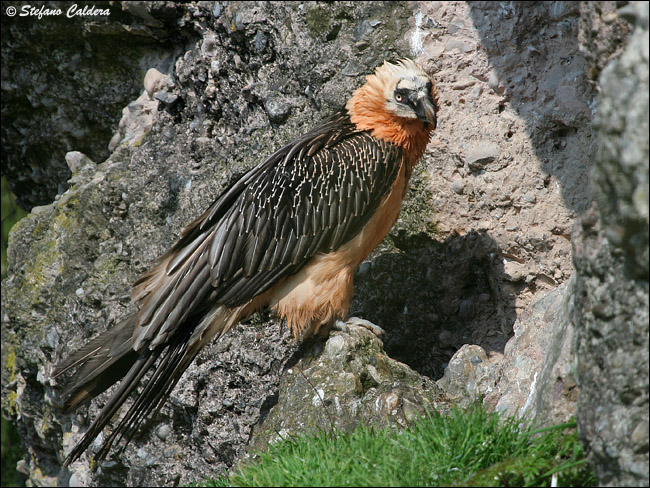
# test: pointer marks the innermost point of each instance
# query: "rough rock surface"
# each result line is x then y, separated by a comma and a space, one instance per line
534, 377
347, 381
65, 80
483, 243
610, 249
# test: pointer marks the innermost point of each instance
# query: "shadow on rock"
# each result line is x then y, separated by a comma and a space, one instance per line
534, 51
432, 297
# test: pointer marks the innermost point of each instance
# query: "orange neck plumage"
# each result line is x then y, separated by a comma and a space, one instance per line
367, 112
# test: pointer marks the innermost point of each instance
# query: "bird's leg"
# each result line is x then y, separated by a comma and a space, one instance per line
356, 321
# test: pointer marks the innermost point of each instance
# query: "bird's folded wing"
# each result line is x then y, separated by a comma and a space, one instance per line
309, 197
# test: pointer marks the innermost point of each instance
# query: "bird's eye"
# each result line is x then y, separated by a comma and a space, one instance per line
399, 98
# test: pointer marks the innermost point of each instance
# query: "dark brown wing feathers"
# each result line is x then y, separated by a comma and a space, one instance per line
308, 197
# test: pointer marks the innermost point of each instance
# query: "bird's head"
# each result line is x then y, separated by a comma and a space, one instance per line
398, 103
397, 90
408, 91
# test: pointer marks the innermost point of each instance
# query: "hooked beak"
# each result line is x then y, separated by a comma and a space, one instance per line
425, 109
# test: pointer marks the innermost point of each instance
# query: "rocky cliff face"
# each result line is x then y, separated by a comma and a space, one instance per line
65, 80
472, 285
610, 252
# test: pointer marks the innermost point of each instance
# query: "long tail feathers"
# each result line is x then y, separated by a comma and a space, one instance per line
130, 382
107, 359
173, 364
104, 361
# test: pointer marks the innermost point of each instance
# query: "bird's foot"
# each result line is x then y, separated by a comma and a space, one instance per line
356, 321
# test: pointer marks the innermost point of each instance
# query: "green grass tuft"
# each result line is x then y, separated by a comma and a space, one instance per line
465, 448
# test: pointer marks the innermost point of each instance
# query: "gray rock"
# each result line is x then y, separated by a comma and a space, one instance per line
461, 45
560, 10
514, 271
494, 84
347, 381
163, 431
553, 397
261, 41
168, 99
458, 186
611, 316
352, 69
482, 153
466, 310
621, 175
604, 30
154, 81
78, 99
610, 246
277, 109
77, 161
535, 378
469, 376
